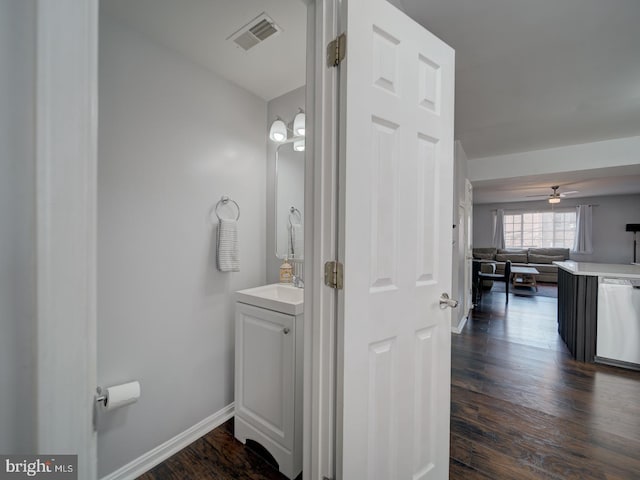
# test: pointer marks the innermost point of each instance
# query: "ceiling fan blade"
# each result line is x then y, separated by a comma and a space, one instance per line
564, 194
554, 194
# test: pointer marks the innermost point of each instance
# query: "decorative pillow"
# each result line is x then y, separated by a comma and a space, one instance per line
514, 257
483, 256
533, 258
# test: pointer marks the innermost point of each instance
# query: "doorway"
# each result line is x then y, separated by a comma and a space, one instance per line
187, 94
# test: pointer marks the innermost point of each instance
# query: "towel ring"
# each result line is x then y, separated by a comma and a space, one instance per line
293, 211
224, 201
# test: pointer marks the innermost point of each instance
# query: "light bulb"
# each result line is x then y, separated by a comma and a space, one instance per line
299, 124
278, 131
298, 145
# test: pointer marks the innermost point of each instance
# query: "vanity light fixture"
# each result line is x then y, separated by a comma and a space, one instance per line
278, 131
299, 124
298, 145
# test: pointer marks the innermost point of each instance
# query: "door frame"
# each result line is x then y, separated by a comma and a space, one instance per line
66, 187
321, 183
66, 219
464, 263
468, 257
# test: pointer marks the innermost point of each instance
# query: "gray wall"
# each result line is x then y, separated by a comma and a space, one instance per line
17, 227
611, 244
173, 138
285, 106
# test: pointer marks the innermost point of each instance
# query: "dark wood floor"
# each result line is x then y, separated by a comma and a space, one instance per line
520, 409
217, 455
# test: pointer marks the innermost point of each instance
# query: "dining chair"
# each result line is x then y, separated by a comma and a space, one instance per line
496, 277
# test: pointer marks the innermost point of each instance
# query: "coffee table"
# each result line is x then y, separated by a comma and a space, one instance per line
524, 277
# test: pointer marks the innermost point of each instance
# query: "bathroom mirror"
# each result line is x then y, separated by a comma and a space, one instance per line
289, 195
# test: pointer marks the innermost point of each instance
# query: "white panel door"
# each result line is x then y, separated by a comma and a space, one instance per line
396, 174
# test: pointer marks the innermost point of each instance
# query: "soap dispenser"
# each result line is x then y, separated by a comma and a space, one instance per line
286, 271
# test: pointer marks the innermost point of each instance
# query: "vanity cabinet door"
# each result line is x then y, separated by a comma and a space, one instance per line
264, 370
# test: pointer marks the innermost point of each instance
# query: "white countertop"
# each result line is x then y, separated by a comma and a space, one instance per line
280, 297
600, 269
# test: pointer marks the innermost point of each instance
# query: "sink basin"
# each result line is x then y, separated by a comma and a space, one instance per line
279, 297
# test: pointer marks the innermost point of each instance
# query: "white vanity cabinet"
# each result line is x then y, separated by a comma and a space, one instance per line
268, 383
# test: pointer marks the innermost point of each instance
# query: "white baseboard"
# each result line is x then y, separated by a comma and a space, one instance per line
458, 328
159, 454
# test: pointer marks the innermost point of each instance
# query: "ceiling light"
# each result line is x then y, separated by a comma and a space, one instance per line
554, 199
299, 124
278, 131
298, 145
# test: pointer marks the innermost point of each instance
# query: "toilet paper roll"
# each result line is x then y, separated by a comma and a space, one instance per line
120, 395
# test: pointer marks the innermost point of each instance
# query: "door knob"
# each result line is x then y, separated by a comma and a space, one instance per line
445, 301
285, 331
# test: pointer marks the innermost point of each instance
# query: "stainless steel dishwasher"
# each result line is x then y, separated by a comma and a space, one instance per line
618, 335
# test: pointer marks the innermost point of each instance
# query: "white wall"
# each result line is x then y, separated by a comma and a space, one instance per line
285, 106
611, 243
17, 227
173, 138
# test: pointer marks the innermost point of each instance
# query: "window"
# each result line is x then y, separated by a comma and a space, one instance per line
539, 229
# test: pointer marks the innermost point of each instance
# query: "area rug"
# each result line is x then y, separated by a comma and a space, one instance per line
544, 290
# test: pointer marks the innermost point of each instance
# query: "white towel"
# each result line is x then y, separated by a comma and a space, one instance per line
227, 255
296, 241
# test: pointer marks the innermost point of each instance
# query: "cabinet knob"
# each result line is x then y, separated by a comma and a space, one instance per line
285, 331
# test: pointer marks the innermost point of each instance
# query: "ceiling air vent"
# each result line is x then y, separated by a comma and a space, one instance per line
254, 32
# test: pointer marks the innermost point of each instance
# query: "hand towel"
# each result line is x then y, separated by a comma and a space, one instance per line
227, 255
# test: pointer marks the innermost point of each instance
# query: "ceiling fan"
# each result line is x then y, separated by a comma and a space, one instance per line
555, 196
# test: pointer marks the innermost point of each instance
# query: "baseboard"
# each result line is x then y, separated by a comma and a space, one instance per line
458, 328
159, 454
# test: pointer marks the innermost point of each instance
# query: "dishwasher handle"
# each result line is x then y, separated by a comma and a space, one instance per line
631, 282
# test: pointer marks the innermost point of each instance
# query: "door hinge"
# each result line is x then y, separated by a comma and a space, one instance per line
336, 50
334, 275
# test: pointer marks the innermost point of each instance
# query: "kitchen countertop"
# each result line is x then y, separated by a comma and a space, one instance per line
600, 269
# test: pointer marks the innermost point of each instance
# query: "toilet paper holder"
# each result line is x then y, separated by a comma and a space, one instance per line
118, 395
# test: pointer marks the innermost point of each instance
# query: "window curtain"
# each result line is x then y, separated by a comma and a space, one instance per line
498, 229
584, 226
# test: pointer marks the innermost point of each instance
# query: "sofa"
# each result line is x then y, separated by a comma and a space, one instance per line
539, 258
